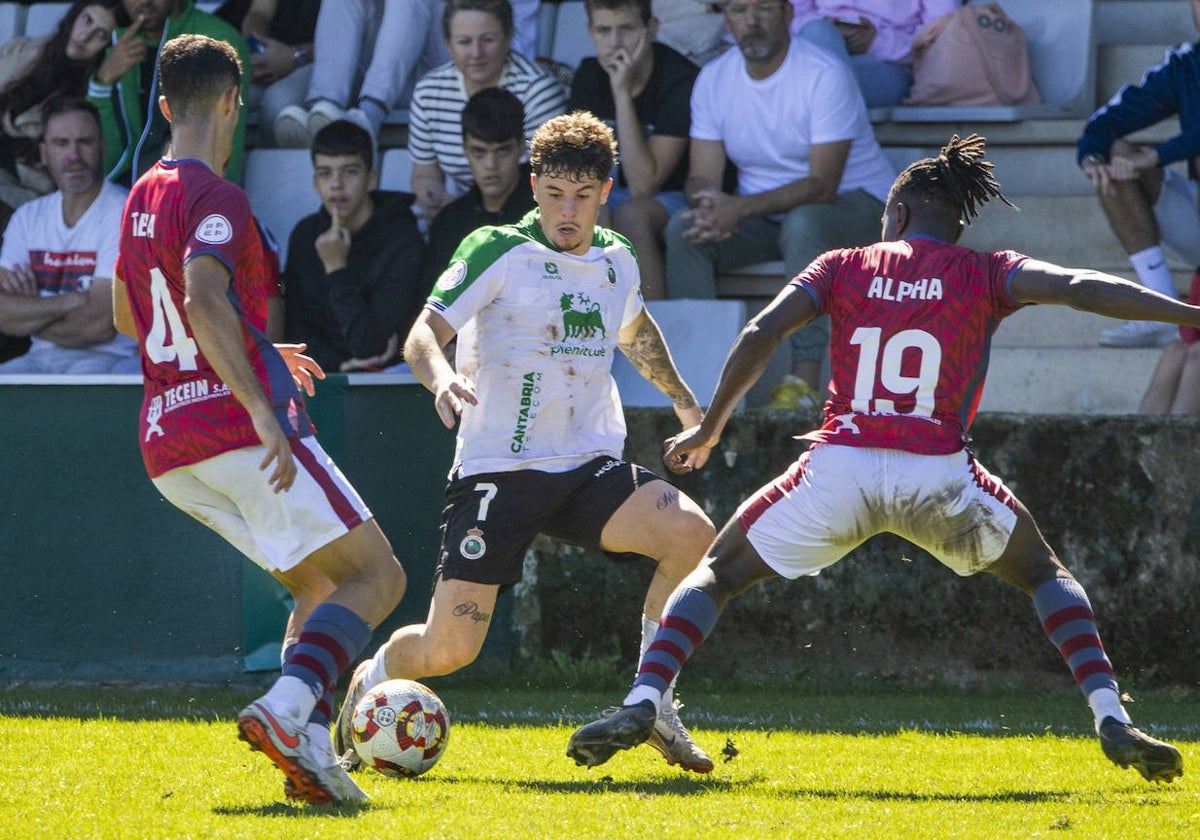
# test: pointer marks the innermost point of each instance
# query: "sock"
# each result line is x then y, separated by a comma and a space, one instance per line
376, 672
689, 617
1107, 703
374, 110
322, 713
1066, 615
1152, 271
329, 641
649, 629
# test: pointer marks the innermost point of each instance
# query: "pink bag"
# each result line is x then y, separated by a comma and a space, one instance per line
974, 55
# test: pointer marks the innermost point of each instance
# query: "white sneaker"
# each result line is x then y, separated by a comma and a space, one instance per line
321, 114
1139, 334
675, 743
291, 128
291, 750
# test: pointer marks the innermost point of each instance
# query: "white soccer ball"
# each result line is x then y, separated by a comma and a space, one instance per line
400, 728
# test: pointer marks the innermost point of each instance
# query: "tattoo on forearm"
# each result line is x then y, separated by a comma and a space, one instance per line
650, 358
669, 498
471, 610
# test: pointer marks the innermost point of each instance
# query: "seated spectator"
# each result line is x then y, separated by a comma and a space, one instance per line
811, 176
479, 36
1175, 386
33, 70
493, 138
1148, 204
874, 37
280, 37
352, 286
58, 254
643, 88
350, 73
125, 85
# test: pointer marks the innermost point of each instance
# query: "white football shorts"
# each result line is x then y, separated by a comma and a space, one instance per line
230, 494
835, 497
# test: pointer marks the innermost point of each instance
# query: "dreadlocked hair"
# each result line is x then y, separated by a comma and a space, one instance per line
955, 184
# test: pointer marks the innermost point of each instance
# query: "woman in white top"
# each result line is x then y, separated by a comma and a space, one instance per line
479, 36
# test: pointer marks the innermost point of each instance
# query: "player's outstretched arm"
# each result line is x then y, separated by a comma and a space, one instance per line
752, 351
1094, 291
218, 330
642, 343
424, 354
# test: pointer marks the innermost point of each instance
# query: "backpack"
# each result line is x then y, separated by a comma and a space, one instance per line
974, 55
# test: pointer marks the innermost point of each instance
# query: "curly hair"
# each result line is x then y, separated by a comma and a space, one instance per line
953, 185
576, 146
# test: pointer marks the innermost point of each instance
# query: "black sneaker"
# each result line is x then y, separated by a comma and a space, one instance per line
1127, 746
621, 728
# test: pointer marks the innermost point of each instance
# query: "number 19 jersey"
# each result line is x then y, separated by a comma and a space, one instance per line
911, 325
178, 211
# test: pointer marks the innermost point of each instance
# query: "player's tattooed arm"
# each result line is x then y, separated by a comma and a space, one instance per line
642, 343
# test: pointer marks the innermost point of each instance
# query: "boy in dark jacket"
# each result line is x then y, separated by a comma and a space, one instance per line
352, 286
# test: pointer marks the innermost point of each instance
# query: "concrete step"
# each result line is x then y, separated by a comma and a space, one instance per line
1090, 381
1051, 327
1142, 22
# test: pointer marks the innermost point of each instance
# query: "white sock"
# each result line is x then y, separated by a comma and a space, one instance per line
290, 699
318, 736
649, 628
1107, 703
376, 672
1152, 271
643, 692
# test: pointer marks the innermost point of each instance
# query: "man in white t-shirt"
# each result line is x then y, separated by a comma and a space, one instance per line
811, 176
540, 308
57, 259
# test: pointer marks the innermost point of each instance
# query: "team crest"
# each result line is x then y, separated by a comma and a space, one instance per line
215, 230
472, 546
453, 276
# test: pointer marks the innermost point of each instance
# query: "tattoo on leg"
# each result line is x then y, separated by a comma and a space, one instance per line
471, 610
667, 499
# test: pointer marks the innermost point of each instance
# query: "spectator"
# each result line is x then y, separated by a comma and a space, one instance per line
874, 37
125, 86
644, 88
479, 35
280, 37
352, 285
1148, 204
32, 70
1175, 386
349, 68
493, 137
811, 176
58, 254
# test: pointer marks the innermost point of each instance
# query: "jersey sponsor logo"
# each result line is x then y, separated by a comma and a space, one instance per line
473, 545
885, 288
214, 230
453, 276
527, 410
551, 268
582, 322
154, 412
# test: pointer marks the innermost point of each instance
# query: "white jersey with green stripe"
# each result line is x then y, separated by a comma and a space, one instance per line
537, 330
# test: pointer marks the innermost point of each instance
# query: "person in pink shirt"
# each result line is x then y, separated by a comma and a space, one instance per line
874, 37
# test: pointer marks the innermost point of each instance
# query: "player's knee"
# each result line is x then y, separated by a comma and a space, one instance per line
442, 659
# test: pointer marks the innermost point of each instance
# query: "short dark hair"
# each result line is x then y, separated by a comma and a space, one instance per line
644, 9
502, 10
576, 145
494, 115
343, 138
194, 71
56, 105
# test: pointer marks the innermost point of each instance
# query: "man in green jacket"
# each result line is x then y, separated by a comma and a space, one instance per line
125, 85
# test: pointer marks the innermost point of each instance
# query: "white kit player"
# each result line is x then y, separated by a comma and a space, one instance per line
539, 308
911, 324
223, 430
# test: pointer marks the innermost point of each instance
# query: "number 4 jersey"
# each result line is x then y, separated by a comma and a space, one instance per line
178, 211
911, 326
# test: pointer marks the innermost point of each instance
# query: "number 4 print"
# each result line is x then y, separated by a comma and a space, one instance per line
886, 370
166, 319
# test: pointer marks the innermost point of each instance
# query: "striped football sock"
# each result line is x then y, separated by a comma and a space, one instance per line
1066, 615
688, 619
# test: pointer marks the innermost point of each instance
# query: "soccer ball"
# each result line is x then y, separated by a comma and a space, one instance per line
400, 728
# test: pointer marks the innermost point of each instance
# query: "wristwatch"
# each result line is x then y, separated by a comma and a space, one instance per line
301, 57
1093, 159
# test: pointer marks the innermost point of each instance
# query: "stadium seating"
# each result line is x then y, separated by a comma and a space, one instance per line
12, 21
43, 18
279, 184
571, 42
396, 170
1062, 48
